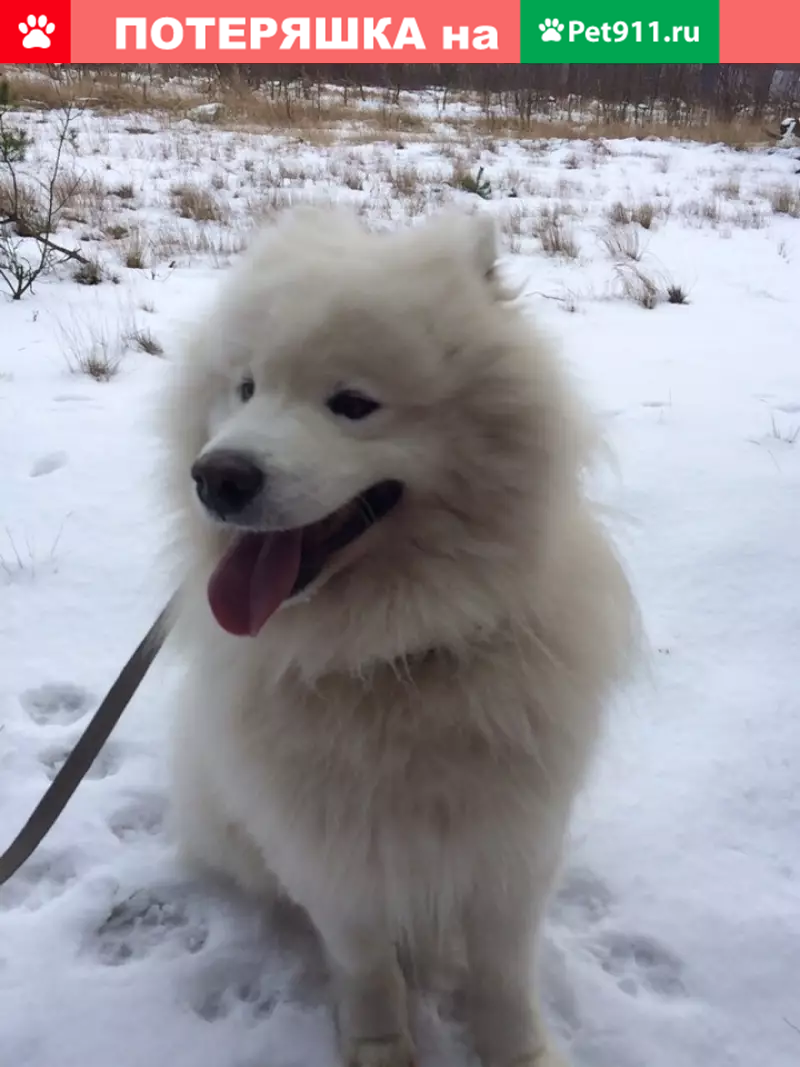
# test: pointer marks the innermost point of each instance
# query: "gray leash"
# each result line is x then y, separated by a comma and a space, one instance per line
85, 752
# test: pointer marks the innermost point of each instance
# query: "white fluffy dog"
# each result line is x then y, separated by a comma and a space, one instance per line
401, 617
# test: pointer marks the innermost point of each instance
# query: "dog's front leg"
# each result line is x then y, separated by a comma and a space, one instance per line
501, 927
369, 991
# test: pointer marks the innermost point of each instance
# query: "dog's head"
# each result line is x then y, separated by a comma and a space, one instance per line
361, 417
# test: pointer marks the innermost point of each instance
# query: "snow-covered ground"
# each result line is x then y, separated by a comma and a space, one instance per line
675, 941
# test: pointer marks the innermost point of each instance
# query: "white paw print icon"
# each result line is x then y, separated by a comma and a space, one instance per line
551, 29
37, 32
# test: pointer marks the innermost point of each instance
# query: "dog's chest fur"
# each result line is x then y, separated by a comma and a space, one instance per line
408, 776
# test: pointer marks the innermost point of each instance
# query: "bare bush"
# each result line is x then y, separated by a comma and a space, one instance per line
30, 207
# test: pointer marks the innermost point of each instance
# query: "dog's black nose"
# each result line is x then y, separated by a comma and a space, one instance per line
227, 481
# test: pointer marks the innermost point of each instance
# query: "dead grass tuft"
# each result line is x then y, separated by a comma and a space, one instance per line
92, 347
749, 218
785, 200
676, 294
172, 244
641, 288
116, 231
195, 202
729, 189
124, 191
135, 250
404, 181
703, 210
89, 273
143, 341
622, 242
643, 213
555, 234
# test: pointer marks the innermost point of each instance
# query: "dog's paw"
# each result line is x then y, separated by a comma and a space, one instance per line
394, 1051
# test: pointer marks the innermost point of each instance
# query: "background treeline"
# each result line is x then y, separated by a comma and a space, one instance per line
678, 93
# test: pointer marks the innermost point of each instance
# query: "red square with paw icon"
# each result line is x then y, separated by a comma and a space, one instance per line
37, 32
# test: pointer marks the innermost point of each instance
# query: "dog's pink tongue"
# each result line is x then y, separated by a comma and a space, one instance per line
253, 579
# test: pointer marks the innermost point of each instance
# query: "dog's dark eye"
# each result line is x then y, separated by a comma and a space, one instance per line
352, 405
246, 389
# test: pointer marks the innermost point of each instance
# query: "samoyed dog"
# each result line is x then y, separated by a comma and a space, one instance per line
401, 617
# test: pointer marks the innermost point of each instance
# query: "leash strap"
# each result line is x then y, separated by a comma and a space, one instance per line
85, 752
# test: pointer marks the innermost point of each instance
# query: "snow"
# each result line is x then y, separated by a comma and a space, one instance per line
675, 939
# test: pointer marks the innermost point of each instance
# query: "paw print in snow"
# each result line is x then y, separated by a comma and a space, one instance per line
37, 32
551, 29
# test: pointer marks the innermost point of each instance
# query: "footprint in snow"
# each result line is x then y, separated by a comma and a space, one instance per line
231, 987
48, 464
58, 704
107, 763
582, 900
154, 920
142, 817
639, 964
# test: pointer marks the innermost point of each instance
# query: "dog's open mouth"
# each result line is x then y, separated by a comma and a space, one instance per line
262, 570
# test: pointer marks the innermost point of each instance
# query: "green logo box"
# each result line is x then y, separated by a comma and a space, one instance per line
619, 31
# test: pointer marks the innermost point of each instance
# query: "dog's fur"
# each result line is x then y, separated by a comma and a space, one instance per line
399, 748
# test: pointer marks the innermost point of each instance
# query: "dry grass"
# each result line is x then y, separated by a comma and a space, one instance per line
21, 205
729, 189
195, 202
676, 294
171, 244
476, 184
404, 181
622, 242
643, 213
27, 204
143, 341
125, 191
92, 347
642, 288
91, 203
135, 250
517, 224
89, 273
703, 210
115, 231
555, 234
785, 200
320, 119
71, 191
104, 92
739, 134
749, 218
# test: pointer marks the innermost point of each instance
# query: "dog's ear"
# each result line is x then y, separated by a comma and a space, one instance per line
471, 239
